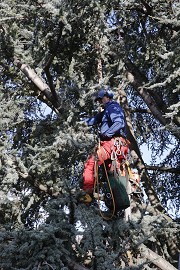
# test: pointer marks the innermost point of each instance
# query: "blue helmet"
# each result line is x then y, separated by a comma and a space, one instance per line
103, 93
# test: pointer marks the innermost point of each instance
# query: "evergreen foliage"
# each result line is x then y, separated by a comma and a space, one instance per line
54, 56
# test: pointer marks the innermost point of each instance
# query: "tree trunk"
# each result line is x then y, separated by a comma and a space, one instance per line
137, 158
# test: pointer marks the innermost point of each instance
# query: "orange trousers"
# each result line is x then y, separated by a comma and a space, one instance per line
119, 146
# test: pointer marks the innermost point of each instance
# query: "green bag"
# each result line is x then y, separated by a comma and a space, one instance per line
121, 198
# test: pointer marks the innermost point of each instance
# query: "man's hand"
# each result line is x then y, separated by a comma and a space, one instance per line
101, 108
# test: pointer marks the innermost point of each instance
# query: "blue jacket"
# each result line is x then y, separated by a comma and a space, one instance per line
111, 121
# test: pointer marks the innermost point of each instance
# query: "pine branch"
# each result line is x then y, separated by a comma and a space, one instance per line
40, 186
17, 17
171, 77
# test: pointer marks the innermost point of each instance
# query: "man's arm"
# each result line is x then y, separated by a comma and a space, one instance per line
116, 117
94, 120
116, 127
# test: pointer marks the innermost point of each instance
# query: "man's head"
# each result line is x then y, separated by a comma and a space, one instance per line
104, 96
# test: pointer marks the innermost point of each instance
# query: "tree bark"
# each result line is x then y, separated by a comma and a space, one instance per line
155, 258
50, 60
42, 86
73, 265
136, 79
163, 169
137, 158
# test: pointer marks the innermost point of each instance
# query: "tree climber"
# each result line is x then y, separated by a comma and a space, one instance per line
112, 130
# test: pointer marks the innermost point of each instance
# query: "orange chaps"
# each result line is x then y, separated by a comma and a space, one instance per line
119, 146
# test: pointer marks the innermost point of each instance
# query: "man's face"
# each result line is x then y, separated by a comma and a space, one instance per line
104, 100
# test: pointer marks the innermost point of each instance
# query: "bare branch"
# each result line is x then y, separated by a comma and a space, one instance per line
155, 258
42, 86
173, 23
148, 8
140, 110
50, 60
163, 169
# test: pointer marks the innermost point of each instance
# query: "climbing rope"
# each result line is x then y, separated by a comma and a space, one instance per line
97, 184
96, 187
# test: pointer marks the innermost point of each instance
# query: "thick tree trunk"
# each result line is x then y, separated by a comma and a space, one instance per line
137, 158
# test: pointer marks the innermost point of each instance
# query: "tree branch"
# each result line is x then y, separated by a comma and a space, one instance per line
172, 23
71, 263
148, 8
140, 110
163, 169
50, 60
74, 266
136, 79
171, 77
19, 17
136, 82
43, 87
155, 258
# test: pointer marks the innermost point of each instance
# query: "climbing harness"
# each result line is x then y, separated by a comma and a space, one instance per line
119, 183
114, 186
